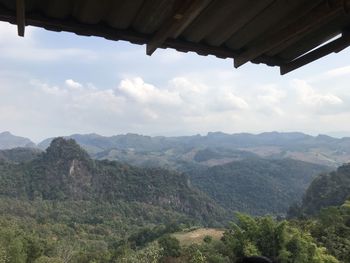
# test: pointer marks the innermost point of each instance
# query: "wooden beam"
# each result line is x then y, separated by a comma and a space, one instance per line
243, 13
20, 17
200, 49
177, 23
108, 32
272, 15
319, 16
334, 46
270, 61
297, 11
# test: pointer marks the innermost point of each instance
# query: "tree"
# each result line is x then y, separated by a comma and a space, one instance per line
198, 257
170, 246
280, 241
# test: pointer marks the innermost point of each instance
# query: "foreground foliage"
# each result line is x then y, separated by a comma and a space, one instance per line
283, 241
63, 207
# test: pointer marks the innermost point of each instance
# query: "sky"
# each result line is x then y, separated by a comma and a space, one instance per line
56, 84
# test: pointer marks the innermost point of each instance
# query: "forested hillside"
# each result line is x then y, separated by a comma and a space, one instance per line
62, 206
327, 189
256, 186
19, 154
330, 189
325, 211
65, 172
322, 238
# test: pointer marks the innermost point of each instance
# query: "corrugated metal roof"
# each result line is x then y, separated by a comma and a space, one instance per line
274, 32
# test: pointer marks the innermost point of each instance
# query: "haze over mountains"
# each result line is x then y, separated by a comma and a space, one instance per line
8, 141
220, 147
258, 174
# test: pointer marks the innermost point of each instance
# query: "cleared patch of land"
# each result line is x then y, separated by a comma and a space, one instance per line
197, 236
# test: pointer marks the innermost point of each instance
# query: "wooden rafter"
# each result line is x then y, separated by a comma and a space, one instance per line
74, 26
20, 17
200, 49
319, 16
176, 24
334, 46
203, 26
240, 20
270, 61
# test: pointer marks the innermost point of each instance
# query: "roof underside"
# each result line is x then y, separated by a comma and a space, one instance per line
284, 33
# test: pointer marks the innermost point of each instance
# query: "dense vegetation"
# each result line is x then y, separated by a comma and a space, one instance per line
58, 234
282, 241
84, 231
61, 206
329, 189
332, 230
256, 186
65, 173
19, 154
325, 212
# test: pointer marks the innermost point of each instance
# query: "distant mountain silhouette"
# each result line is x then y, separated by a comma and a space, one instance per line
9, 141
143, 150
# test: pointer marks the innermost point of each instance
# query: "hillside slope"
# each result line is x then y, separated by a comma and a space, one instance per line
19, 154
65, 172
257, 186
328, 189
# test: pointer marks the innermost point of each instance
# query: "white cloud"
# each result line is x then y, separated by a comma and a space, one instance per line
120, 89
50, 90
203, 98
270, 99
133, 104
271, 94
136, 89
184, 105
310, 97
73, 84
131, 92
226, 100
338, 72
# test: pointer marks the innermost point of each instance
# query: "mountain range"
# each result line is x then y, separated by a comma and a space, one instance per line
9, 141
65, 172
231, 176
67, 199
167, 151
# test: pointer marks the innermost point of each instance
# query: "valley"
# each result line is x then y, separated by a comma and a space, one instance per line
146, 199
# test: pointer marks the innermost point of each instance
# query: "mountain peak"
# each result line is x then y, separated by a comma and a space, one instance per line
66, 149
9, 141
